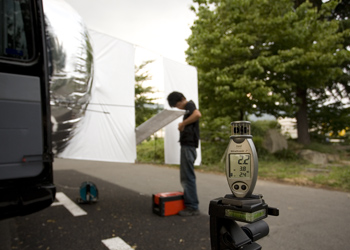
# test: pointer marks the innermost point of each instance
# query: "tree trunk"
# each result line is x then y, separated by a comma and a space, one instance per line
302, 119
241, 115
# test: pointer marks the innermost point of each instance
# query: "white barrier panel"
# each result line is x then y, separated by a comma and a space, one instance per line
107, 133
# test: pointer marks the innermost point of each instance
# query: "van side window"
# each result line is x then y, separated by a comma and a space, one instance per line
16, 32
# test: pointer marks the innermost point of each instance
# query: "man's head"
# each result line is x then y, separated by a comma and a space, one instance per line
177, 100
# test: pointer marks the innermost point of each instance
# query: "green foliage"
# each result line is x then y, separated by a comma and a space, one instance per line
151, 151
265, 56
286, 155
145, 107
332, 118
262, 152
212, 152
260, 127
215, 129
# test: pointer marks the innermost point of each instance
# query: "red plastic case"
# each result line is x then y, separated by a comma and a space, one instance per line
168, 203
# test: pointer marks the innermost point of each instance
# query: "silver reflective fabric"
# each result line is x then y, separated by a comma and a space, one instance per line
71, 70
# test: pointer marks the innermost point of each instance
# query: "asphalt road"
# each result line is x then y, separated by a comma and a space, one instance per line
118, 213
309, 218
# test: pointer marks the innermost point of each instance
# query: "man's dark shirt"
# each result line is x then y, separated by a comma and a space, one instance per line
190, 135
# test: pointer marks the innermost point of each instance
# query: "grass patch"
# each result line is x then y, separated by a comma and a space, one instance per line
338, 177
283, 166
281, 170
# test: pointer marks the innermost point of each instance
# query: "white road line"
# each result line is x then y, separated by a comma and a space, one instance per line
69, 204
116, 244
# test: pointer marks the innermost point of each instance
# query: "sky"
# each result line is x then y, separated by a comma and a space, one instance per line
159, 26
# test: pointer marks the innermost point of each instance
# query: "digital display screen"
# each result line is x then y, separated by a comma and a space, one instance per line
240, 166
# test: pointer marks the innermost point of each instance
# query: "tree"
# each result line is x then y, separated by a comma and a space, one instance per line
145, 107
329, 114
221, 48
264, 56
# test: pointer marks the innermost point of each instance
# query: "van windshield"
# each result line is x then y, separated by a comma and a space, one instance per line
16, 30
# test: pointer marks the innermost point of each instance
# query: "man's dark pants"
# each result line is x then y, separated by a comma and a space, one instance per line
188, 177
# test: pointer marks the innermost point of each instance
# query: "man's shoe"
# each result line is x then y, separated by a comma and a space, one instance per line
189, 211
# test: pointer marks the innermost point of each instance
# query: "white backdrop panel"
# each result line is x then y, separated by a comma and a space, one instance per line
182, 78
107, 132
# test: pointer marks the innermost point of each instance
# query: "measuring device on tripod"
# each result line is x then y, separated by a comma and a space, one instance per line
242, 205
241, 160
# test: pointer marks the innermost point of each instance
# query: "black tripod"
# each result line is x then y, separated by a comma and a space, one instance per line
226, 234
